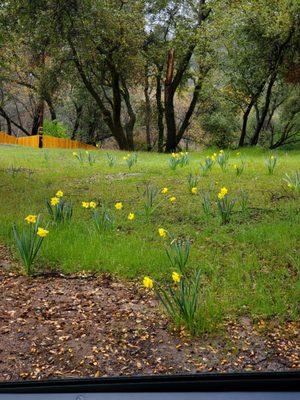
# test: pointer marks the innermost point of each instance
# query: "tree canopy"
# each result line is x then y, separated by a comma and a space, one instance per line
152, 73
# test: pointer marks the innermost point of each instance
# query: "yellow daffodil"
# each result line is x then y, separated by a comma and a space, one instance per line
223, 192
162, 232
131, 216
41, 232
119, 206
215, 154
31, 219
238, 153
148, 282
93, 204
172, 199
59, 193
213, 158
164, 190
194, 190
221, 151
289, 186
85, 204
125, 158
176, 277
54, 201
272, 157
75, 154
235, 166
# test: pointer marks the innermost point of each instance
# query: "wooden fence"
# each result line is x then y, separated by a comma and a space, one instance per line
44, 141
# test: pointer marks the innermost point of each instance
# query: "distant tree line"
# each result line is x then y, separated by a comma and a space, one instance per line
151, 73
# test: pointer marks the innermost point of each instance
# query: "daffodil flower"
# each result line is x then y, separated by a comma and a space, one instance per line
162, 232
41, 232
223, 192
148, 282
131, 216
176, 277
119, 205
54, 201
31, 219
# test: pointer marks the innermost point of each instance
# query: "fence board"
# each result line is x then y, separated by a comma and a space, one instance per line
49, 142
7, 139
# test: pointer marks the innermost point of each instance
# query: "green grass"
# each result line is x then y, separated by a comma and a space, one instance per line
250, 266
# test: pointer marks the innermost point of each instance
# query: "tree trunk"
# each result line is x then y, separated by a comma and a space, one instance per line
38, 119
246, 114
7, 119
147, 112
77, 120
129, 126
186, 122
169, 104
265, 110
51, 107
160, 112
244, 126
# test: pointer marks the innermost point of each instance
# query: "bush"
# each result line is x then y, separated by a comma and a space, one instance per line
55, 128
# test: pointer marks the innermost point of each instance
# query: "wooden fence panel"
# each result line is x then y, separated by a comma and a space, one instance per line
48, 142
7, 139
29, 141
62, 143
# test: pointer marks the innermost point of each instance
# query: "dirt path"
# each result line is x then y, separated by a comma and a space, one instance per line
62, 327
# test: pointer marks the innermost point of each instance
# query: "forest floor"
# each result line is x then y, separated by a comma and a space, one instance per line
88, 326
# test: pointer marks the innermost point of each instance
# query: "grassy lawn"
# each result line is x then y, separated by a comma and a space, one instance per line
249, 266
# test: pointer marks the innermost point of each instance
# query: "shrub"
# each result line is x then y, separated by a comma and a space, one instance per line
55, 128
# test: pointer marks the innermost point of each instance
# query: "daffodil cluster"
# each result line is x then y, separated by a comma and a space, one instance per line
29, 241
225, 205
58, 208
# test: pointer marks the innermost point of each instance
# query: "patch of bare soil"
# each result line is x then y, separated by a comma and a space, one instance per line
78, 327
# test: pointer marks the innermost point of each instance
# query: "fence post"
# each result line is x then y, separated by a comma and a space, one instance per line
40, 134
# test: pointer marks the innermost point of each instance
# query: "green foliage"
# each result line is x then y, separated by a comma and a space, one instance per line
103, 219
206, 166
206, 202
131, 160
28, 243
192, 181
222, 160
178, 253
270, 163
111, 160
225, 206
55, 129
239, 168
61, 212
150, 199
293, 181
181, 302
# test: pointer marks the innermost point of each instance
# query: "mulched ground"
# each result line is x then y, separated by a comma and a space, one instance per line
90, 326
